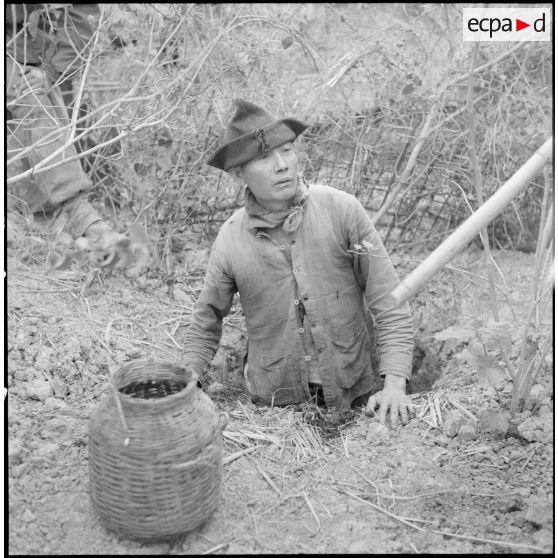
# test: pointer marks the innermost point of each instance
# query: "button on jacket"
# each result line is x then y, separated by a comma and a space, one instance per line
320, 285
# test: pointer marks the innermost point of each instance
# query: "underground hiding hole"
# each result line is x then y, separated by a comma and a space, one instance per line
427, 368
330, 423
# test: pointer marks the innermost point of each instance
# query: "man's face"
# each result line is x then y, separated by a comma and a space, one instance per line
272, 177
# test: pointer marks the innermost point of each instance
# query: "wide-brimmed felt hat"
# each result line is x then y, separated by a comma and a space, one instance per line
251, 132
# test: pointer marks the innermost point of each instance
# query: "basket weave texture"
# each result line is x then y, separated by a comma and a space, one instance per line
155, 452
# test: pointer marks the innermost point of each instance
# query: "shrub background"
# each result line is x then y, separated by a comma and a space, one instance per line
372, 80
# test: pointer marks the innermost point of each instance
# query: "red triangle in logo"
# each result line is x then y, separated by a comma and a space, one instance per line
519, 25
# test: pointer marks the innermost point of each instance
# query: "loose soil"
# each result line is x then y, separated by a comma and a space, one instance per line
365, 490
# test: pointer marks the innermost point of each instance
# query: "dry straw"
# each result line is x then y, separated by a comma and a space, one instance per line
301, 432
155, 453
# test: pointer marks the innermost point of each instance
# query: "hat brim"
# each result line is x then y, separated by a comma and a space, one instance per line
247, 147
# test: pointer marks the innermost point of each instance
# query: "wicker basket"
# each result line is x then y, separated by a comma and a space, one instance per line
155, 453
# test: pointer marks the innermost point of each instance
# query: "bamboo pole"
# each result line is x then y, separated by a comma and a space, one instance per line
471, 227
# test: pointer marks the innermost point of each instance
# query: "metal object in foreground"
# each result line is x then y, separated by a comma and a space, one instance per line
155, 453
489, 210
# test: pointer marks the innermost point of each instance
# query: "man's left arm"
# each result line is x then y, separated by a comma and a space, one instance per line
394, 326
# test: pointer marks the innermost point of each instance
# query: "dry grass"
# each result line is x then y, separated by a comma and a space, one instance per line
304, 432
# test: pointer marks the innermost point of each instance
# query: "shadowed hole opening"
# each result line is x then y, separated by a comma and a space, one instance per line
427, 368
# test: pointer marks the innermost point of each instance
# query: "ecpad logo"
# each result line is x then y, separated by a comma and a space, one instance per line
506, 24
493, 25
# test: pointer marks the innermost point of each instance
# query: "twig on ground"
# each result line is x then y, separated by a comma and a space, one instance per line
245, 432
236, 455
164, 322
528, 459
265, 476
237, 436
437, 408
345, 441
432, 411
474, 450
88, 308
106, 347
176, 326
364, 478
172, 339
462, 409
326, 510
313, 513
218, 547
418, 520
279, 502
33, 291
417, 496
380, 509
392, 494
489, 541
164, 349
256, 534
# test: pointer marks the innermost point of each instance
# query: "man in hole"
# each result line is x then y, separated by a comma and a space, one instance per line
290, 254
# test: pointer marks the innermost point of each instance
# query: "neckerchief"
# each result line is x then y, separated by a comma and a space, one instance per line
259, 217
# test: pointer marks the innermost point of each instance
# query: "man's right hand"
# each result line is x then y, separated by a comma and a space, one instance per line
393, 399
